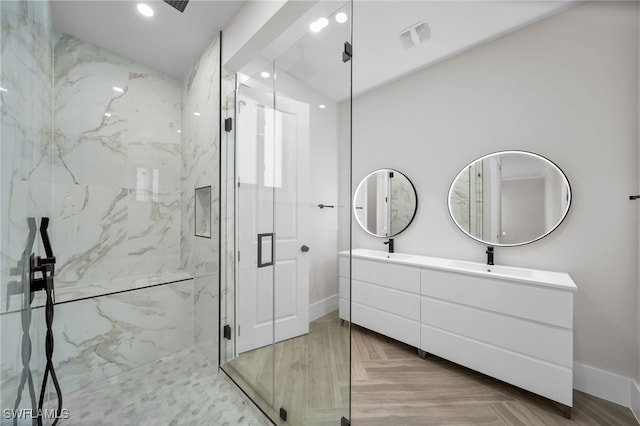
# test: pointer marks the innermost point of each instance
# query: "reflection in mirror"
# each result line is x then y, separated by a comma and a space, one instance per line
385, 203
509, 198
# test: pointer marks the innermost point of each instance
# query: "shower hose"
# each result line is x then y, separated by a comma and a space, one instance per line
46, 267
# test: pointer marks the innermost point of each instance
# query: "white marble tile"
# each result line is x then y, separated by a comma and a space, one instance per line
154, 166
206, 316
153, 107
147, 396
200, 159
153, 225
11, 364
89, 234
25, 123
120, 332
116, 164
96, 125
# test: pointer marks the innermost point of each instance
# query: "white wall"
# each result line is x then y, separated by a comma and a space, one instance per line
565, 88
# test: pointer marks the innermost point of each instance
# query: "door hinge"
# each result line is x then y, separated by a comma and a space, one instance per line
238, 256
283, 414
347, 53
227, 332
228, 124
238, 331
344, 422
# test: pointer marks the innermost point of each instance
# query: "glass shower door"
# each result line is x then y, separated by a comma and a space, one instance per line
25, 166
254, 333
285, 345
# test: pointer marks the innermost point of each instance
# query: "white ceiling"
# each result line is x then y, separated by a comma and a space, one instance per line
170, 41
379, 56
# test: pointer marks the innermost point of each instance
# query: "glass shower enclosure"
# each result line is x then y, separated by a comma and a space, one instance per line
283, 342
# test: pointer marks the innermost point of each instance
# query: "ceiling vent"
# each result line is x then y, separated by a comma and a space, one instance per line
415, 34
180, 5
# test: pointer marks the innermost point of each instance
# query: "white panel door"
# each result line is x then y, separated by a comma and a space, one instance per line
273, 167
292, 218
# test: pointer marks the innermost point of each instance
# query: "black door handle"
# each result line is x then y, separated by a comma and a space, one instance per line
304, 249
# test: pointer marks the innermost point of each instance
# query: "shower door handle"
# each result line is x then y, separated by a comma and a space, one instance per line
265, 257
304, 249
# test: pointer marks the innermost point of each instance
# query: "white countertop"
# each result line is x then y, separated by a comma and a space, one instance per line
531, 276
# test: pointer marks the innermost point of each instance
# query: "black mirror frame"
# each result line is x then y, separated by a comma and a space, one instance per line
484, 242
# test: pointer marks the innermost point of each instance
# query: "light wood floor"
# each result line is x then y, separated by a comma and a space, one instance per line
309, 378
391, 386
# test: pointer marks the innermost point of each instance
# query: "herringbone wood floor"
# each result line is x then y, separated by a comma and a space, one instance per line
392, 386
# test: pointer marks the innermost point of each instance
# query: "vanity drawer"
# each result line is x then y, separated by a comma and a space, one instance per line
399, 328
549, 380
543, 304
387, 300
399, 277
344, 288
545, 342
343, 266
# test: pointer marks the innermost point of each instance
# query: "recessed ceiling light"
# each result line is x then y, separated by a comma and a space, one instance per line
178, 131
197, 114
315, 27
118, 89
319, 24
145, 10
341, 18
265, 74
322, 106
107, 114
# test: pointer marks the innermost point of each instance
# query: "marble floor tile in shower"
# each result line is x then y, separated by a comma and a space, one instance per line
178, 390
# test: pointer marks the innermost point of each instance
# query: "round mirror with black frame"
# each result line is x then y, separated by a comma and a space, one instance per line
385, 203
509, 198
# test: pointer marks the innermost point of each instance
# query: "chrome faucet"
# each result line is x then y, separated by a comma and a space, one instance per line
390, 243
489, 255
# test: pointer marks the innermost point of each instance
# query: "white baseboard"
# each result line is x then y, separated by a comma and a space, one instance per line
603, 384
635, 399
323, 307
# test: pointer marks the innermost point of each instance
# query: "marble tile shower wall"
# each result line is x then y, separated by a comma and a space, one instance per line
116, 166
200, 156
25, 126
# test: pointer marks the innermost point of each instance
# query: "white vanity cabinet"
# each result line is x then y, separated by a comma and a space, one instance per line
385, 297
514, 331
513, 324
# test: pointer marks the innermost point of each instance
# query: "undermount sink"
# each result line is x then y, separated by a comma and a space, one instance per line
494, 269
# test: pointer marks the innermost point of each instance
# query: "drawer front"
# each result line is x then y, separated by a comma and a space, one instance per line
343, 266
542, 304
399, 328
549, 380
399, 277
387, 300
344, 288
540, 341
